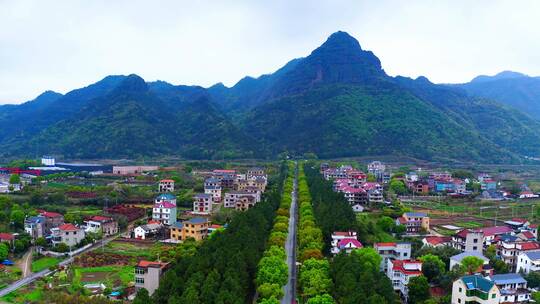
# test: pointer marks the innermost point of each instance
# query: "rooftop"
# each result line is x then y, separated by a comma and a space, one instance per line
508, 278
165, 196
477, 282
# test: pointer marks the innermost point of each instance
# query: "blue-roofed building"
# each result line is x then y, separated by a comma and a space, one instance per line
528, 261
475, 289
196, 228
513, 287
166, 197
35, 226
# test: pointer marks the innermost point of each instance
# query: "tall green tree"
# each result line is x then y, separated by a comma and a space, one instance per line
418, 290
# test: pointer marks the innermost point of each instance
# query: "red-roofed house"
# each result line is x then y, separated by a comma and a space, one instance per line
104, 224
491, 232
147, 275
526, 236
338, 236
348, 244
509, 249
68, 234
437, 241
7, 238
400, 272
52, 220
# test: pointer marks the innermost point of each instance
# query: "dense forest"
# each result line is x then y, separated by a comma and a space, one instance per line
224, 267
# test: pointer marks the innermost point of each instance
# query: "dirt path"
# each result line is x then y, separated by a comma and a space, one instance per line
25, 264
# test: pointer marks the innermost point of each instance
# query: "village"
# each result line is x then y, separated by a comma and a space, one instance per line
111, 231
479, 260
70, 244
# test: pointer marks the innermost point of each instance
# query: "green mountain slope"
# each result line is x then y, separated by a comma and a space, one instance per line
338, 101
510, 88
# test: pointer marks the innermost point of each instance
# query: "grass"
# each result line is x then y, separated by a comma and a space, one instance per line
44, 263
469, 224
130, 250
124, 273
20, 296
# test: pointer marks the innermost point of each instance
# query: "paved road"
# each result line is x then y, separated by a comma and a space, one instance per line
34, 276
290, 248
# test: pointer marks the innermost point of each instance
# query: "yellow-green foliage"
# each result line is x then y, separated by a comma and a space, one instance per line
272, 269
309, 235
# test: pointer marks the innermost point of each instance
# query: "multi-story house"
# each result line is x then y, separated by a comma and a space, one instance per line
104, 224
355, 195
255, 171
415, 222
196, 228
341, 235
164, 212
166, 185
147, 275
374, 192
232, 196
528, 261
378, 169
214, 191
510, 247
68, 234
52, 220
35, 226
202, 203
513, 288
392, 251
475, 289
245, 202
468, 240
400, 272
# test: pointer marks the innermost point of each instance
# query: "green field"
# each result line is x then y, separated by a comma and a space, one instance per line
130, 250
44, 263
108, 275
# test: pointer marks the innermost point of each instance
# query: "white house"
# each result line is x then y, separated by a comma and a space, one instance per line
339, 236
68, 234
166, 197
166, 185
392, 251
475, 289
144, 231
513, 287
528, 261
164, 212
202, 203
400, 272
48, 161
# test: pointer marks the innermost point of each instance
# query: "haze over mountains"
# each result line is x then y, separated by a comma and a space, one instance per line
338, 101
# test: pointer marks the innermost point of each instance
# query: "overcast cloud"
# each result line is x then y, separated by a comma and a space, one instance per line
63, 45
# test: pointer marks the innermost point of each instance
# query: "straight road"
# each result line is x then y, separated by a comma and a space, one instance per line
289, 289
34, 276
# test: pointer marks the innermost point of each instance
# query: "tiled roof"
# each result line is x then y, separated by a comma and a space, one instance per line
166, 181
401, 266
385, 244
477, 282
436, 240
529, 246
6, 236
100, 218
68, 227
197, 220
533, 255
50, 214
146, 264
166, 196
508, 278
489, 231
461, 256
165, 204
528, 234
416, 214
344, 242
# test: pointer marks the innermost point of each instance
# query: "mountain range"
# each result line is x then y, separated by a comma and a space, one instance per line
335, 102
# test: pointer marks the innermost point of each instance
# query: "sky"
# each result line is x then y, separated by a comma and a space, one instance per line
63, 45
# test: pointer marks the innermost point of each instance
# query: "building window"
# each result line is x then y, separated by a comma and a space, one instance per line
139, 280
